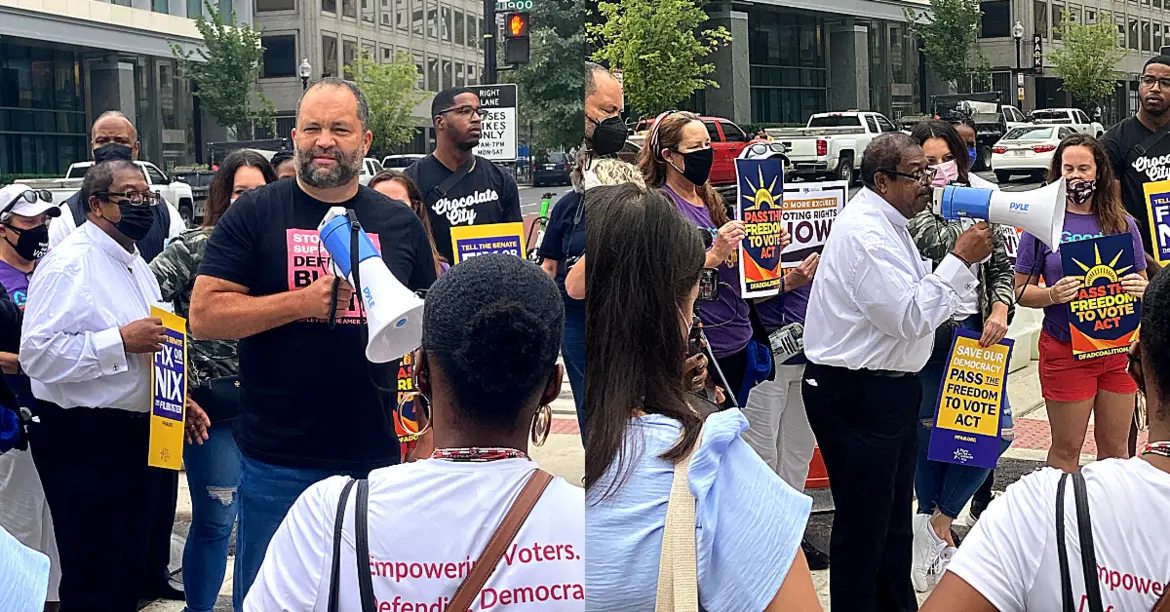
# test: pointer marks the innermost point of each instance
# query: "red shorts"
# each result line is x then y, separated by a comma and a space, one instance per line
1064, 379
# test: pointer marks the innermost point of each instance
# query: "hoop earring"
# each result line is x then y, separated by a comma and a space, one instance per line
541, 425
422, 406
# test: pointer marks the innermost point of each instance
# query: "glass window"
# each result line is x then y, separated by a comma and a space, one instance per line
471, 75
1157, 36
160, 6
194, 8
1121, 35
1145, 35
1074, 13
368, 11
329, 6
1057, 20
167, 101
885, 124
459, 29
416, 19
264, 6
387, 55
1133, 33
460, 79
401, 12
370, 52
733, 133
872, 123
1041, 9
712, 131
280, 56
433, 83
1090, 16
448, 74
996, 21
445, 23
349, 8
348, 55
432, 19
421, 81
156, 177
328, 55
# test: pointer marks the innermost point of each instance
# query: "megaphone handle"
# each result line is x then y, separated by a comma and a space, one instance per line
333, 303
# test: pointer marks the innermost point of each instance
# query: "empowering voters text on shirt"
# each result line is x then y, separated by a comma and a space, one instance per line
429, 521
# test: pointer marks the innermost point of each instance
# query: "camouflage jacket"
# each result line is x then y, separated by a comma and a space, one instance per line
935, 237
175, 268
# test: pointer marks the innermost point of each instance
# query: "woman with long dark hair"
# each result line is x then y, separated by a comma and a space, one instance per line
943, 489
213, 467
396, 185
488, 369
1075, 389
644, 266
676, 159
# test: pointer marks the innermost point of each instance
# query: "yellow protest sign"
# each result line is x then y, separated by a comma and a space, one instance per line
471, 240
168, 394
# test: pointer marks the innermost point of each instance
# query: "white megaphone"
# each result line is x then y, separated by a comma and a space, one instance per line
393, 312
1039, 212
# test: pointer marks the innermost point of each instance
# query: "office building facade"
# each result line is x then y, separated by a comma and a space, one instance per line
443, 39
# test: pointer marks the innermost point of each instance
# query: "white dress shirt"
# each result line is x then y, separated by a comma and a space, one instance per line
81, 295
875, 304
63, 225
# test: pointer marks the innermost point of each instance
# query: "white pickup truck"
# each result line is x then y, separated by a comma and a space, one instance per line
1074, 117
177, 193
832, 143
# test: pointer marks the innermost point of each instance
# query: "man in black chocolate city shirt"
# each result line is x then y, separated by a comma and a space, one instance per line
485, 194
312, 406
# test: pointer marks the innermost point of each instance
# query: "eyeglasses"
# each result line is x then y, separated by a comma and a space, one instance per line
133, 198
925, 175
465, 110
1149, 80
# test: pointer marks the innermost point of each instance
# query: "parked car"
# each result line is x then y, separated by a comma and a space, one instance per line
370, 167
1075, 117
218, 151
830, 146
552, 169
177, 193
991, 118
200, 182
1027, 150
400, 162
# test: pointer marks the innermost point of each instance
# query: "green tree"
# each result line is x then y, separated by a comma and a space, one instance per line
659, 47
552, 82
1086, 58
225, 71
392, 94
948, 31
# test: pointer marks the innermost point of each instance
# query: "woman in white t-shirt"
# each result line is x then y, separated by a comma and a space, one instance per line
1010, 560
488, 366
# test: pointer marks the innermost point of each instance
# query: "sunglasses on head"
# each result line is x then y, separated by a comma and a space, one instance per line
31, 196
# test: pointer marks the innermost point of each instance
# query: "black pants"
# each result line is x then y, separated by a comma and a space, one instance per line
865, 426
162, 525
103, 497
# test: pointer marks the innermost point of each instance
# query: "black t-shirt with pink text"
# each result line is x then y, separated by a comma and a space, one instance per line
310, 398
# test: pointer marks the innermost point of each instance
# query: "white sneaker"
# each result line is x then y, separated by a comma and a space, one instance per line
927, 548
940, 566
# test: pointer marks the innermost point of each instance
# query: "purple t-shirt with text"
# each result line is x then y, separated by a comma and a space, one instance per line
725, 319
15, 282
1076, 227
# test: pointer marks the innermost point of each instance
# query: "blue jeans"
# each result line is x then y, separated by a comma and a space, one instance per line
213, 474
946, 486
267, 493
573, 350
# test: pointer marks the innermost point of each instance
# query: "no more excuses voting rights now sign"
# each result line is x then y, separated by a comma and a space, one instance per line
498, 140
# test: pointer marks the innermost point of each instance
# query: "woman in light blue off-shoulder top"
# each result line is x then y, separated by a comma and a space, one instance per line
748, 522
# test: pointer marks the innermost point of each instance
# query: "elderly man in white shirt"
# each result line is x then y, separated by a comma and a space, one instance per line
869, 330
86, 344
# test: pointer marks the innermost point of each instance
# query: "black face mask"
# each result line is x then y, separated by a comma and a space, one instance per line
696, 165
609, 136
112, 150
136, 221
32, 244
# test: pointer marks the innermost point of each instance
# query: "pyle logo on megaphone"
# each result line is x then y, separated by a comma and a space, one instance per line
1039, 212
393, 312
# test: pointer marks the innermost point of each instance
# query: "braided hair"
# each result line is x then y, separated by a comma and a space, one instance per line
493, 326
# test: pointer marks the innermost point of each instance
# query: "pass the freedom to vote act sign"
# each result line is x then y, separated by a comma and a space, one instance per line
970, 402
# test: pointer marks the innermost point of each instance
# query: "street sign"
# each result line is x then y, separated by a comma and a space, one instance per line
504, 6
1037, 54
1019, 79
498, 139
617, 74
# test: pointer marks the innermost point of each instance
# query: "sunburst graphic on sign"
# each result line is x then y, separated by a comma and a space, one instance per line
1100, 270
761, 195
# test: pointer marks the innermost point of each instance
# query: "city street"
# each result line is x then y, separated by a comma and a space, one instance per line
530, 197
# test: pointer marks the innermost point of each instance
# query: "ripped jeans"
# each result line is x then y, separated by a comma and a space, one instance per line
213, 475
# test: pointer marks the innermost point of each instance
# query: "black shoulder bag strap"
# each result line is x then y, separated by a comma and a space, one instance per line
335, 571
1088, 554
451, 181
1146, 145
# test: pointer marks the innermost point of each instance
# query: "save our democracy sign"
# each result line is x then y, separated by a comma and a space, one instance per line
760, 205
168, 396
970, 402
809, 212
1103, 318
1158, 205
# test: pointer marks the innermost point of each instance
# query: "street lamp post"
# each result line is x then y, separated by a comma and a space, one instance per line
1018, 34
306, 69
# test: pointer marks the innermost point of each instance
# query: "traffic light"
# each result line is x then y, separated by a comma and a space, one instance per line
516, 38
